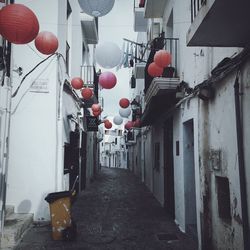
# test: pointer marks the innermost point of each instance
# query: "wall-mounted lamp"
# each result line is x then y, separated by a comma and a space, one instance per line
18, 70
206, 93
135, 105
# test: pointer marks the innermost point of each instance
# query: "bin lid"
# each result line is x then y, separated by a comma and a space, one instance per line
50, 198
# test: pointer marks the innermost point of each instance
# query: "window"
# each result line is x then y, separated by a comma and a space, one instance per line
157, 156
223, 194
177, 148
67, 57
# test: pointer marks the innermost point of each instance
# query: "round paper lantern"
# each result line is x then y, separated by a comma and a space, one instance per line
108, 55
18, 24
107, 80
46, 42
154, 70
124, 102
162, 58
96, 113
117, 120
125, 112
87, 93
128, 125
137, 123
96, 8
108, 124
77, 83
96, 107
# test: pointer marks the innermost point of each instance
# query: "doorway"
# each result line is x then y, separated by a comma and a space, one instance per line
83, 154
189, 179
169, 201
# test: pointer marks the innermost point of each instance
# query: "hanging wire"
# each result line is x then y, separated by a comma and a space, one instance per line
34, 51
16, 91
30, 86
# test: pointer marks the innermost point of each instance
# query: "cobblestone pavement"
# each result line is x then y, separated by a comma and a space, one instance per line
116, 212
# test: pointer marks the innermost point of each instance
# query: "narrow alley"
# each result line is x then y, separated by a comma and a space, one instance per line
116, 212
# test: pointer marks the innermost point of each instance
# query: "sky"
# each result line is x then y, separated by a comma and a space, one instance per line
113, 27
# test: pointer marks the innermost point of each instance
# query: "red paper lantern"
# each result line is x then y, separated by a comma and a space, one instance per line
137, 123
18, 24
96, 107
128, 125
96, 113
108, 124
46, 43
87, 93
107, 80
154, 70
77, 83
124, 103
162, 58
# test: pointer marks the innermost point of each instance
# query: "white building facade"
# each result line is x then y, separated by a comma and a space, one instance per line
192, 154
49, 145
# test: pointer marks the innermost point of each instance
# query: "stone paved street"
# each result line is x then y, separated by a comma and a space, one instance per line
116, 212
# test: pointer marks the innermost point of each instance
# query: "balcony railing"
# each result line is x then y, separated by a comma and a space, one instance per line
196, 5
90, 78
88, 75
170, 45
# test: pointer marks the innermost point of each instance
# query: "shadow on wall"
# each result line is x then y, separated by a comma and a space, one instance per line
24, 206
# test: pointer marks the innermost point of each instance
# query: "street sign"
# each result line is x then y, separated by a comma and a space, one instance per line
92, 123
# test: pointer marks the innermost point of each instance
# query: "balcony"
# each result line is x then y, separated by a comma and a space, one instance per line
170, 45
219, 23
154, 8
161, 86
140, 23
89, 28
160, 92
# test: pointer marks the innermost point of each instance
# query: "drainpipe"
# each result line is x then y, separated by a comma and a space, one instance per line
242, 176
7, 110
59, 127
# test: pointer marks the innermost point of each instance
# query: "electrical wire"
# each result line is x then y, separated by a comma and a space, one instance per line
16, 91
14, 110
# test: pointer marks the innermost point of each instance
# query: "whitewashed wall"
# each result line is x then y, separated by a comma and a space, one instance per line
36, 142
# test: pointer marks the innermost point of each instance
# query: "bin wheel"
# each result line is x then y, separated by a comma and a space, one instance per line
69, 233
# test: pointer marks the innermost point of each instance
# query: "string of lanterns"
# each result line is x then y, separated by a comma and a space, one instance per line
19, 25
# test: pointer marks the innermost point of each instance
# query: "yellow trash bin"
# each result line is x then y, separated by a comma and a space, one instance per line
60, 212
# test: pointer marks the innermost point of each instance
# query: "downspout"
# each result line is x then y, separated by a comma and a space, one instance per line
242, 178
5, 162
59, 126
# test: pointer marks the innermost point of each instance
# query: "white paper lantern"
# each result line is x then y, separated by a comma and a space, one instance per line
125, 112
117, 120
96, 8
108, 55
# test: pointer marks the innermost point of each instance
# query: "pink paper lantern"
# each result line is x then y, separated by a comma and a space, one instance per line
96, 113
124, 102
154, 70
137, 123
87, 93
18, 24
128, 125
77, 83
107, 80
46, 43
162, 58
108, 124
96, 107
